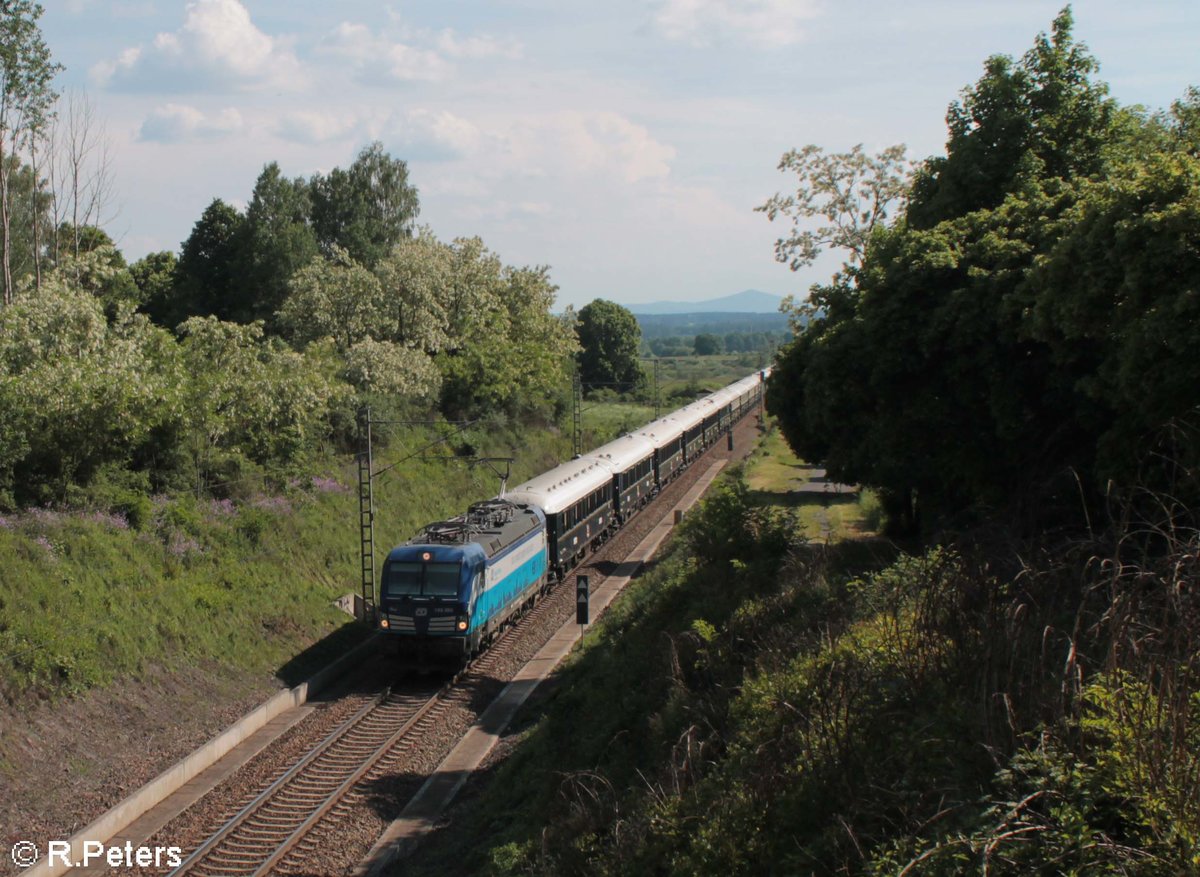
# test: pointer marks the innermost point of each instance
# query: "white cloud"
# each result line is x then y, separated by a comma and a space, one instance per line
454, 46
767, 23
175, 123
410, 54
312, 128
218, 47
379, 59
431, 135
587, 144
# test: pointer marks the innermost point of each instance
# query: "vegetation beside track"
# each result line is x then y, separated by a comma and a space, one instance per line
247, 582
759, 703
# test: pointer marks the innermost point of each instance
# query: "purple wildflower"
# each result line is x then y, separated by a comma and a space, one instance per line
328, 485
181, 545
278, 504
45, 517
223, 508
115, 520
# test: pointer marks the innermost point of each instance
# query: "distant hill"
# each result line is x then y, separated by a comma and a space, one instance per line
748, 301
693, 323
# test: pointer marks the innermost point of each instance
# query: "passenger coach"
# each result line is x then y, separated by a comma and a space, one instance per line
576, 498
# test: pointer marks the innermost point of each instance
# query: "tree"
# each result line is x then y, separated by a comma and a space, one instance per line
155, 275
80, 177
26, 103
367, 209
415, 279
1026, 331
333, 298
99, 268
708, 344
277, 240
78, 391
1040, 118
207, 280
247, 397
29, 221
609, 340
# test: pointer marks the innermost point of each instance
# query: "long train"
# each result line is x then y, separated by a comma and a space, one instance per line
447, 591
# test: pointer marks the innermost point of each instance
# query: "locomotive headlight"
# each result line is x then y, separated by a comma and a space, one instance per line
384, 623
462, 624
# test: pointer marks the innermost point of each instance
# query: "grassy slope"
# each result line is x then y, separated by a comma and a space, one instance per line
85, 597
753, 705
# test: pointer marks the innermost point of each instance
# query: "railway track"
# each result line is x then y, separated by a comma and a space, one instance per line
275, 822
275, 825
299, 821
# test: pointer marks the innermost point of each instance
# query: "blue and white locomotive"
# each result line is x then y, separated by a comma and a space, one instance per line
447, 591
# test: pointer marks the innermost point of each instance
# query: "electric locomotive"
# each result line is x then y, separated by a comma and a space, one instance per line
447, 591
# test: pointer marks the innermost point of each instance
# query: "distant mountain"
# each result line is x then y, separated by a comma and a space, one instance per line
749, 301
717, 322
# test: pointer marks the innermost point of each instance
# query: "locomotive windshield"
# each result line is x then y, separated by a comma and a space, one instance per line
405, 578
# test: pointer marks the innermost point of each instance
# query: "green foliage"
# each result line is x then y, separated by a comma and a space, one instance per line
851, 191
436, 318
1023, 333
754, 705
154, 275
109, 590
335, 298
1040, 118
248, 396
78, 392
27, 97
609, 340
208, 281
708, 344
366, 209
99, 269
277, 241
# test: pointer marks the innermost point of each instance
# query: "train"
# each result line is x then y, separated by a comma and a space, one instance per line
450, 589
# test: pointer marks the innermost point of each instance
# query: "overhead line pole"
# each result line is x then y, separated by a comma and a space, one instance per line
366, 499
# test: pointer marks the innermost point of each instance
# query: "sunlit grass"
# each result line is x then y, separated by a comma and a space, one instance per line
824, 510
87, 597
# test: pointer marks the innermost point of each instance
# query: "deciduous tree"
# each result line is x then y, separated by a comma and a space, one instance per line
26, 103
366, 209
609, 340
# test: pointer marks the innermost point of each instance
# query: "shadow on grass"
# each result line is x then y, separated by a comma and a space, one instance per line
322, 653
801, 498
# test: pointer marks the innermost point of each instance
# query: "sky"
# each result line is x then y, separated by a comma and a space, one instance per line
624, 144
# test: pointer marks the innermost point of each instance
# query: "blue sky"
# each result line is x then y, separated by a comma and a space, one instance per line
624, 144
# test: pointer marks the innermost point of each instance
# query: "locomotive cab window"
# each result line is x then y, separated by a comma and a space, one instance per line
408, 579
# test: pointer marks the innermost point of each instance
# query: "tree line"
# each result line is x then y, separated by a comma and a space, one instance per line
257, 345
1022, 336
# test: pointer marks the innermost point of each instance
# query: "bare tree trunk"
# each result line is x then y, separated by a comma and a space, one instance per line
34, 212
81, 178
5, 224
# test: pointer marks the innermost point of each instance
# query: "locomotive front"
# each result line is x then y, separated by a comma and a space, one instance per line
426, 595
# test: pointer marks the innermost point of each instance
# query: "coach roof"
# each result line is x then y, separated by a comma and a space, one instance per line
563, 485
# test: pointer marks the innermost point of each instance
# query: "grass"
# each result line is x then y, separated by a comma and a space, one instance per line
825, 511
604, 421
682, 378
756, 703
86, 596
